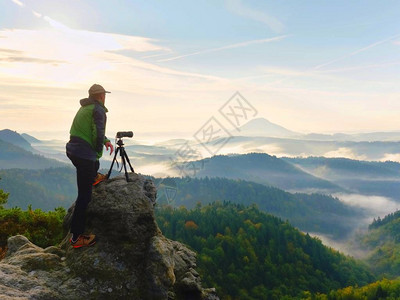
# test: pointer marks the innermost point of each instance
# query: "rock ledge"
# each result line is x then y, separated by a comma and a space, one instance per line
131, 259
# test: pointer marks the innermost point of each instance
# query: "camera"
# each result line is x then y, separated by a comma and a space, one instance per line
122, 134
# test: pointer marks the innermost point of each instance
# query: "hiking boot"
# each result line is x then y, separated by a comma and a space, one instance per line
84, 241
99, 178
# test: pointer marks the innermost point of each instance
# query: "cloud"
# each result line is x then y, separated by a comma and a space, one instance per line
36, 14
391, 157
86, 51
19, 3
10, 51
346, 153
46, 70
285, 71
356, 52
66, 44
238, 45
364, 67
375, 205
341, 245
30, 60
238, 8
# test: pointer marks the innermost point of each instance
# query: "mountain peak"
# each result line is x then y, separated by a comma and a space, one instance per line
31, 139
264, 128
15, 138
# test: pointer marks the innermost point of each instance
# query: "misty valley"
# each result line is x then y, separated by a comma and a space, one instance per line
299, 221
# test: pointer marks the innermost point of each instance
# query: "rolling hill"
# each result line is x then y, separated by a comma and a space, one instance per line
310, 213
363, 177
265, 169
12, 156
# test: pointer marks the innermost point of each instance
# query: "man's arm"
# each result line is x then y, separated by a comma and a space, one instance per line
99, 117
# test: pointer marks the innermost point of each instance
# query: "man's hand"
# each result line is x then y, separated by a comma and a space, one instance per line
109, 145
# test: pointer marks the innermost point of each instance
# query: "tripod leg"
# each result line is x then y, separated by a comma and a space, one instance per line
112, 164
129, 162
124, 164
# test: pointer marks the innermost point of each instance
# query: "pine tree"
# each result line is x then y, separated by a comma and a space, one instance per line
3, 198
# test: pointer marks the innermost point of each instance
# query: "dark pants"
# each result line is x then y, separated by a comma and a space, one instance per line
86, 171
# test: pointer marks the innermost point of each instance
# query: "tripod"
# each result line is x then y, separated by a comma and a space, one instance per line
124, 159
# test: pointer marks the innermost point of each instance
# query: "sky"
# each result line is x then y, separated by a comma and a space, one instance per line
172, 66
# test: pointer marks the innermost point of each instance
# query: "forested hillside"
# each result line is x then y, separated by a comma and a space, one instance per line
50, 188
45, 188
248, 254
310, 213
379, 290
383, 241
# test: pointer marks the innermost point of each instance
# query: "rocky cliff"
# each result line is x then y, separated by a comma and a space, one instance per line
131, 259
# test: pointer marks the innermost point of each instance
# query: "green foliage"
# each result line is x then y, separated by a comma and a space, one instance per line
42, 228
383, 289
248, 254
45, 189
383, 241
387, 219
3, 198
310, 213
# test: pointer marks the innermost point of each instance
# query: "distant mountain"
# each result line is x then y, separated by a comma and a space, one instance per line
393, 136
294, 147
172, 142
30, 139
363, 177
12, 156
16, 139
378, 136
327, 137
335, 168
263, 127
265, 169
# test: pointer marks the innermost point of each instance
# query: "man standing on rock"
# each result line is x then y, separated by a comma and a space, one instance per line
84, 149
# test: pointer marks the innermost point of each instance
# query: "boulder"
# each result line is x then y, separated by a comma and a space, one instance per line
130, 260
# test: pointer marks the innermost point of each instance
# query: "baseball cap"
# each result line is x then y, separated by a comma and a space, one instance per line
97, 89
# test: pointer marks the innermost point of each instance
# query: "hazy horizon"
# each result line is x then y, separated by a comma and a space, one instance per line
160, 136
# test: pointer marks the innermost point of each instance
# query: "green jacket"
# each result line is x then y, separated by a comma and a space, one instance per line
88, 130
